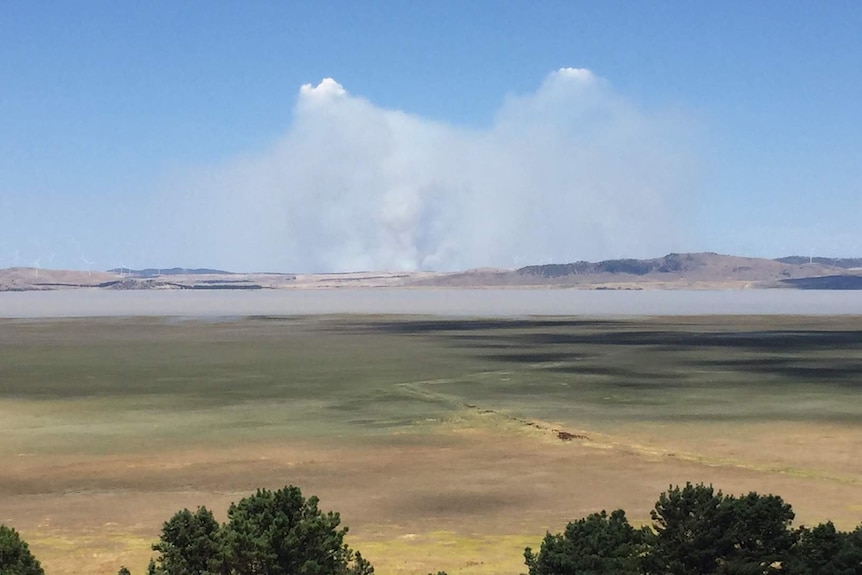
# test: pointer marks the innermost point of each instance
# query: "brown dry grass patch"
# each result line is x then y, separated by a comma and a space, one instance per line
414, 503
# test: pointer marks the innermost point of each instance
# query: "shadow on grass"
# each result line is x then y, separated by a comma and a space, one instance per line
754, 340
461, 325
848, 370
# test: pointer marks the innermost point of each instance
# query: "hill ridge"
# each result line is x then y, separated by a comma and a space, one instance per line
693, 270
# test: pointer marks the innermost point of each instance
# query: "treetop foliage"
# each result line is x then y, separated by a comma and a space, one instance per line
824, 550
598, 543
268, 533
698, 530
15, 556
190, 544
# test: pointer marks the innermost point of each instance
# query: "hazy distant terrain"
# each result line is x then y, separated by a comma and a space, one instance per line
673, 271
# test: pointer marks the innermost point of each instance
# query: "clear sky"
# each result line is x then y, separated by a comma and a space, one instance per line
324, 136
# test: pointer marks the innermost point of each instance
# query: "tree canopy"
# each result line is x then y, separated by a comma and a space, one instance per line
697, 530
269, 533
190, 544
700, 530
598, 543
15, 556
824, 550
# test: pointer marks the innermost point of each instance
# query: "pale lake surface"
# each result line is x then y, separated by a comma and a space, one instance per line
442, 302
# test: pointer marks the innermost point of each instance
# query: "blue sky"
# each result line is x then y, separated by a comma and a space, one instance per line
451, 134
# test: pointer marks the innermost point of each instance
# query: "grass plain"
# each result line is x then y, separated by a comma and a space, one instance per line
438, 440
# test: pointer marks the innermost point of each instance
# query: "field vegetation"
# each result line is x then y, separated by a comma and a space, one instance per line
444, 443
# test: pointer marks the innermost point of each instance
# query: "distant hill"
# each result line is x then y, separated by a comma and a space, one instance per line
706, 267
705, 270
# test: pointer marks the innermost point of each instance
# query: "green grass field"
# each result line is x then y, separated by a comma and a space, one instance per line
763, 402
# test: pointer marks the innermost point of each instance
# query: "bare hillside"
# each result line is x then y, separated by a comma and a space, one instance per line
673, 271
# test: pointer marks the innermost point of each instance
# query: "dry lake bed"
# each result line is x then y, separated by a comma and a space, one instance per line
452, 302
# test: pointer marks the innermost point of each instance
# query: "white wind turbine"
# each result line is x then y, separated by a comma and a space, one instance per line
89, 265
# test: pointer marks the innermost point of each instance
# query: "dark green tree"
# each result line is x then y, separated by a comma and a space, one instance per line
597, 544
15, 556
760, 535
689, 525
700, 531
190, 544
359, 565
824, 550
269, 533
124, 571
283, 533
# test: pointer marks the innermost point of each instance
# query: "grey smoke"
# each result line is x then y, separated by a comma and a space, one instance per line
572, 171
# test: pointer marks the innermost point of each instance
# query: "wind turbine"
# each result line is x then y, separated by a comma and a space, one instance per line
89, 265
36, 265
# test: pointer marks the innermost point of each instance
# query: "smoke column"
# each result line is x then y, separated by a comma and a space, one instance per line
571, 171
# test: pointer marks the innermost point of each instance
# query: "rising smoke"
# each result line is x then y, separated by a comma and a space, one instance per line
572, 171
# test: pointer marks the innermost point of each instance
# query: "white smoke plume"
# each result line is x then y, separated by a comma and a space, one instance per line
572, 171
